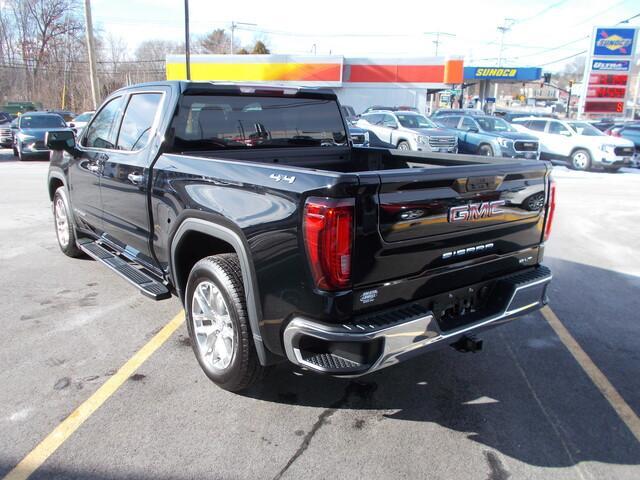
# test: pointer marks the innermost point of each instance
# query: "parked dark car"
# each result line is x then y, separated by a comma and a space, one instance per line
491, 136
30, 131
349, 114
66, 114
630, 131
6, 134
284, 242
605, 123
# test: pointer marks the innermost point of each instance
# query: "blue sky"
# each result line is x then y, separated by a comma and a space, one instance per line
543, 31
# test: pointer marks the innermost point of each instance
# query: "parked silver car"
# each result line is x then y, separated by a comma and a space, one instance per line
409, 131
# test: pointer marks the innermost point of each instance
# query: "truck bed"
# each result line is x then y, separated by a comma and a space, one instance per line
354, 160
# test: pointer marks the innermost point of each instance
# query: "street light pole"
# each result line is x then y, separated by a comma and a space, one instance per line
187, 49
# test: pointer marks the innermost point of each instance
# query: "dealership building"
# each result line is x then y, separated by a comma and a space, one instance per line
358, 81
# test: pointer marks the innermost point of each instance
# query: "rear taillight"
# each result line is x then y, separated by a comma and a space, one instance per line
328, 237
551, 210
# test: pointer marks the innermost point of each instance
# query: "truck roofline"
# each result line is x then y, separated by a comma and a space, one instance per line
186, 87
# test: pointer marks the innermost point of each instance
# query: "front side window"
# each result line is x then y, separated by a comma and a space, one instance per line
583, 128
102, 131
214, 122
138, 121
42, 121
414, 121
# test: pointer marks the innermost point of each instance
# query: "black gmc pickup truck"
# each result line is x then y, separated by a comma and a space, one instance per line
283, 241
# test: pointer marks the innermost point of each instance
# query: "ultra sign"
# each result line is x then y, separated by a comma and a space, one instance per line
614, 42
610, 65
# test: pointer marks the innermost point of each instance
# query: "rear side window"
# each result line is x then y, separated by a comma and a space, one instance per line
102, 131
218, 122
537, 125
138, 121
451, 121
373, 118
467, 123
389, 121
558, 129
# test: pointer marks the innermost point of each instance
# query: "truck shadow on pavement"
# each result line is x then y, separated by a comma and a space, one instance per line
525, 396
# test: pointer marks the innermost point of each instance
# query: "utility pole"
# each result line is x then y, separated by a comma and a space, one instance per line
437, 41
233, 28
234, 25
187, 48
569, 100
504, 28
95, 86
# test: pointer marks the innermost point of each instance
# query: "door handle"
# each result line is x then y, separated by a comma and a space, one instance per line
135, 178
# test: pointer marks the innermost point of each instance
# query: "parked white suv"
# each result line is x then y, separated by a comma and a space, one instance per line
409, 131
578, 143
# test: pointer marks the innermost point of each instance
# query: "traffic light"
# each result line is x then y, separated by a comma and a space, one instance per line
547, 77
570, 83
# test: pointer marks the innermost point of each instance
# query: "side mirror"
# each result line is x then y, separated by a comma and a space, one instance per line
62, 140
472, 130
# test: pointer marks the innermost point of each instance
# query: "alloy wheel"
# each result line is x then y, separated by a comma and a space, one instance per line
212, 325
62, 222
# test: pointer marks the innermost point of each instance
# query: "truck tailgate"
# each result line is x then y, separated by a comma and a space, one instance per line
432, 220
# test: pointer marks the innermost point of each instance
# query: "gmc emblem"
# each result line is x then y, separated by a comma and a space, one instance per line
475, 211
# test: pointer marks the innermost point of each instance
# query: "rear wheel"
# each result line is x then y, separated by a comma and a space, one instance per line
404, 145
581, 160
218, 323
485, 150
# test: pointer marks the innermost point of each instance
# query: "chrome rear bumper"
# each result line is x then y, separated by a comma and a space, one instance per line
399, 340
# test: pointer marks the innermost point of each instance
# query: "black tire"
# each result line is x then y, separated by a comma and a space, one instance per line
581, 160
485, 150
244, 368
68, 247
534, 203
404, 145
15, 151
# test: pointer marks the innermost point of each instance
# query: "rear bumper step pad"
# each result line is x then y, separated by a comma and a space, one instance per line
394, 339
147, 285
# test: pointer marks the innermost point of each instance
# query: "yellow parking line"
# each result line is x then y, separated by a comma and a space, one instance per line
64, 430
618, 403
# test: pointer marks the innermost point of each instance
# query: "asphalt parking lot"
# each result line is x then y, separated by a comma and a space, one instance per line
523, 408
